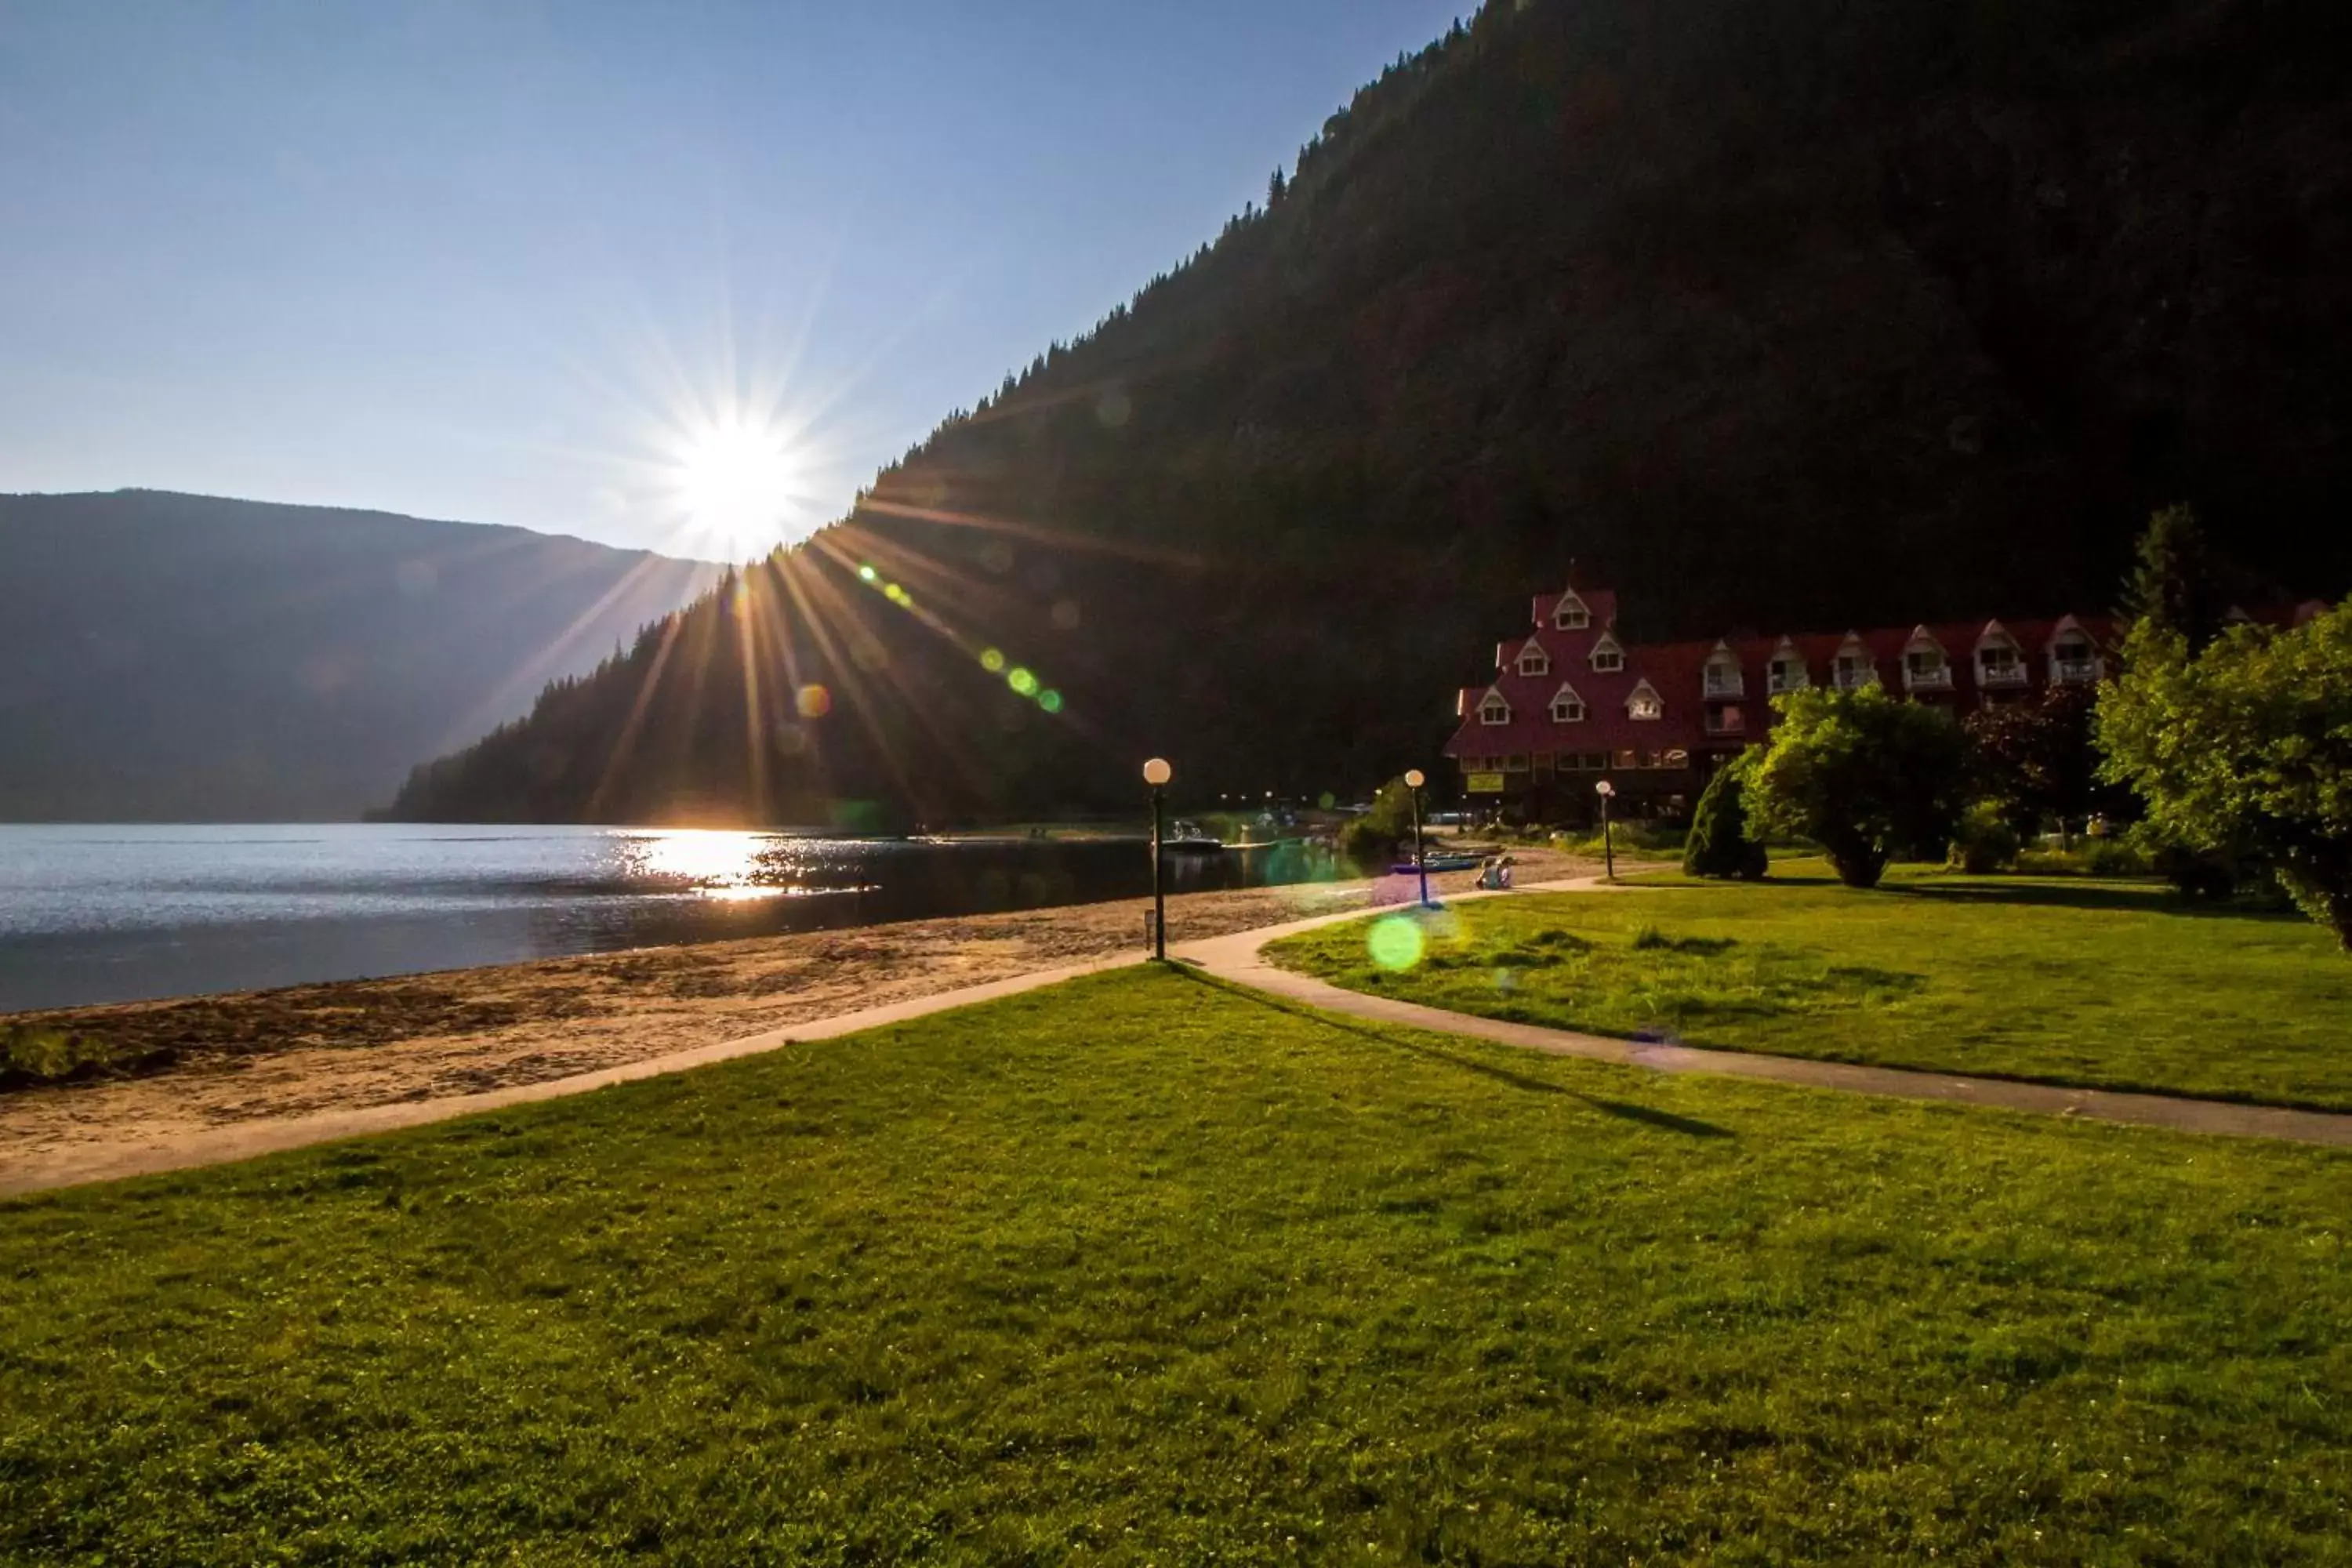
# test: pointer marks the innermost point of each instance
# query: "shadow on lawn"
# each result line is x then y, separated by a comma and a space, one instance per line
2150, 899
1649, 1116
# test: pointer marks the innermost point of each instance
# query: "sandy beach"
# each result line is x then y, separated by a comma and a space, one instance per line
253, 1056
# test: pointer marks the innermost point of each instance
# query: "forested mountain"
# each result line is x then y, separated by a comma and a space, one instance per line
180, 657
1774, 313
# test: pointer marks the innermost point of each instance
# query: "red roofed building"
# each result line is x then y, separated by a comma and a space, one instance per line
1571, 703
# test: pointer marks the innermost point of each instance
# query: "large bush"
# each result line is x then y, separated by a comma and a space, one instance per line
1868, 777
1376, 837
2242, 753
1984, 841
1719, 843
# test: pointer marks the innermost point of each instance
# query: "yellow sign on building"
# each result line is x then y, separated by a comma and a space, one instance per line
1482, 784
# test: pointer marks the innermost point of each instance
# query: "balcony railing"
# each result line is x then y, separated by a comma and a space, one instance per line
1939, 679
1785, 680
1726, 722
2010, 674
2075, 672
1849, 679
1726, 683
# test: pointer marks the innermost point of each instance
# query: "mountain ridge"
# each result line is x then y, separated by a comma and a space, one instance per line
1779, 314
172, 657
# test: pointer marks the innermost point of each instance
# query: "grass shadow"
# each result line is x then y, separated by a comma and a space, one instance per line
2147, 900
1648, 1116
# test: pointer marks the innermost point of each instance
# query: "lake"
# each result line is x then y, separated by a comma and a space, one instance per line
119, 913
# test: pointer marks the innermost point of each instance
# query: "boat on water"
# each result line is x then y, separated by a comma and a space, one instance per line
1191, 839
1444, 860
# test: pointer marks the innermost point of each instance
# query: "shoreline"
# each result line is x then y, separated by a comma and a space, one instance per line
253, 1059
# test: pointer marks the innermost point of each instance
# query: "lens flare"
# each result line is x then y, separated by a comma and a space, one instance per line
1395, 942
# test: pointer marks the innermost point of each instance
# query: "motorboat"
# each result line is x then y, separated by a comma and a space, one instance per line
1191, 839
1437, 860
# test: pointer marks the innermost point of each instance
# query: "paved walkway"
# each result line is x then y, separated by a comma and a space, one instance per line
1239, 960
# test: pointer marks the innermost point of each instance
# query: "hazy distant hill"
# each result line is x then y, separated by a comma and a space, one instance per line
1776, 312
182, 658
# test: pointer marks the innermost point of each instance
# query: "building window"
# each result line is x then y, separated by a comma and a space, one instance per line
1494, 710
1629, 760
1854, 669
1571, 615
1924, 664
1596, 761
1533, 660
1516, 765
2072, 660
1608, 657
1788, 674
1676, 758
1567, 707
1725, 678
1645, 703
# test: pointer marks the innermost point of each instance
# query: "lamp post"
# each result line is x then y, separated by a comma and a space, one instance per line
1608, 847
1155, 774
1414, 780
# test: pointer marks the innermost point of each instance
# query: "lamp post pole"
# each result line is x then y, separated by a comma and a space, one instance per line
1155, 774
1608, 845
1412, 783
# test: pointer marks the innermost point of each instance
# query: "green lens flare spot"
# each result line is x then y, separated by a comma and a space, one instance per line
992, 661
1020, 680
1395, 943
897, 596
1327, 800
868, 574
1050, 700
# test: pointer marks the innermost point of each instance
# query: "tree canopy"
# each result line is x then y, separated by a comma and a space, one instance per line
1869, 776
2245, 744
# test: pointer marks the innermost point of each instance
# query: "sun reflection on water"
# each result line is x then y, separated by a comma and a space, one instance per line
708, 862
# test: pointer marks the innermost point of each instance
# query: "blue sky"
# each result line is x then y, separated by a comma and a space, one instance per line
512, 262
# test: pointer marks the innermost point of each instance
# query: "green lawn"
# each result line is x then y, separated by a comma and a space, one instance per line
2064, 979
1145, 1270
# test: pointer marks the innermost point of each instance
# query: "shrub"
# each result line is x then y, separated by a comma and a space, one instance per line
2113, 857
1718, 844
1984, 842
1865, 774
33, 1053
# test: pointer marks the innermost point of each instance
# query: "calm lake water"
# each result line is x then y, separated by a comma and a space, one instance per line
111, 914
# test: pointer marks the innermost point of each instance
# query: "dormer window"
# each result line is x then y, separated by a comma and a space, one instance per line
1607, 657
1493, 710
1571, 614
1924, 668
2074, 660
1724, 676
1533, 660
1645, 703
1567, 707
1787, 671
1855, 667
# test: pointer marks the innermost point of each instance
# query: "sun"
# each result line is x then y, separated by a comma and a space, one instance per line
739, 484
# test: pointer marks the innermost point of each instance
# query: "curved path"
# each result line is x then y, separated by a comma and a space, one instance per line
1239, 960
